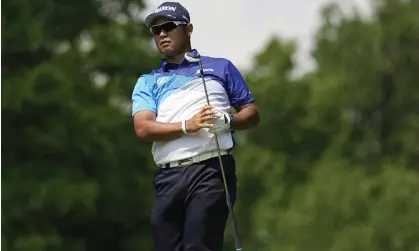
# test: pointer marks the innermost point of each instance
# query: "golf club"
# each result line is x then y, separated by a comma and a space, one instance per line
195, 58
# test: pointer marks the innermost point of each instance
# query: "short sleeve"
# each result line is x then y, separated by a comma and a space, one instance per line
142, 97
238, 91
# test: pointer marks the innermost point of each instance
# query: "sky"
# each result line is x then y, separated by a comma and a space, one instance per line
239, 29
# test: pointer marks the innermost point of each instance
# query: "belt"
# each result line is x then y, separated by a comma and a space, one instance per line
195, 159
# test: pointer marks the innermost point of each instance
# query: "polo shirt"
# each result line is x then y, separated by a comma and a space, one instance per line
175, 92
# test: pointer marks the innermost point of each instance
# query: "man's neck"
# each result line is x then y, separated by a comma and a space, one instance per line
178, 58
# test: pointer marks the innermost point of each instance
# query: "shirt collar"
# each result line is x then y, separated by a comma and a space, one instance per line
165, 64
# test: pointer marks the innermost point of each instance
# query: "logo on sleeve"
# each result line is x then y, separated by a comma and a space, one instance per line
162, 80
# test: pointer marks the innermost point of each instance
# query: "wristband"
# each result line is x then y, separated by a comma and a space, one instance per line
184, 127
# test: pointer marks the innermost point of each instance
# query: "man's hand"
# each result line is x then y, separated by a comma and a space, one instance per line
221, 122
200, 120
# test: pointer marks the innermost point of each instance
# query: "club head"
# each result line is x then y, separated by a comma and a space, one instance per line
192, 57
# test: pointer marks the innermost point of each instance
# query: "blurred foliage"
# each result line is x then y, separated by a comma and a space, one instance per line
333, 165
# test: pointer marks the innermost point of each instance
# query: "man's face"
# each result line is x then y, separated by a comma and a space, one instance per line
170, 37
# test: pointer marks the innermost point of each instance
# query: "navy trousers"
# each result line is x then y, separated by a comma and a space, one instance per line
190, 212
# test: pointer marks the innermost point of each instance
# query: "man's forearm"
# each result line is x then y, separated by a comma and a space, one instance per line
157, 131
246, 118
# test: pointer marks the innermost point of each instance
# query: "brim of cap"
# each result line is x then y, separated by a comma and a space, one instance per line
152, 17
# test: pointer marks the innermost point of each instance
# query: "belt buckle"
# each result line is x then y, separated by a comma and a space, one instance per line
185, 162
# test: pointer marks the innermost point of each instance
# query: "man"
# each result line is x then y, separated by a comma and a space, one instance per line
169, 108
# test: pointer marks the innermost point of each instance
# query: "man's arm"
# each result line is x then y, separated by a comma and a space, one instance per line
242, 100
148, 129
144, 109
247, 116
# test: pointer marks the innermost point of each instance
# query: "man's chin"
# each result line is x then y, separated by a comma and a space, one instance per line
168, 52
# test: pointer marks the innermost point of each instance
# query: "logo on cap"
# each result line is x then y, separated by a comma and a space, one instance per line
163, 8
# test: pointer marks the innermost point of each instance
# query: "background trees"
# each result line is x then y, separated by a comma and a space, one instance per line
333, 165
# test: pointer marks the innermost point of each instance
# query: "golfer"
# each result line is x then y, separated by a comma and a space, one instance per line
169, 108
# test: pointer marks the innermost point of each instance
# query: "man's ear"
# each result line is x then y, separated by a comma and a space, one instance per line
189, 29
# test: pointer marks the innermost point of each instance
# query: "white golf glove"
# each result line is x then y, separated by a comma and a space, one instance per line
221, 122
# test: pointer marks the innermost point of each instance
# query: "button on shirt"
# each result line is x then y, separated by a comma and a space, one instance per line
175, 92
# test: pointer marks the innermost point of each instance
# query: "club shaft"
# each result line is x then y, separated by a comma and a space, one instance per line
229, 203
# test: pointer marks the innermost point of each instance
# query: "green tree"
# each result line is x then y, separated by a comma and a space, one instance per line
74, 175
368, 66
343, 208
333, 166
329, 168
